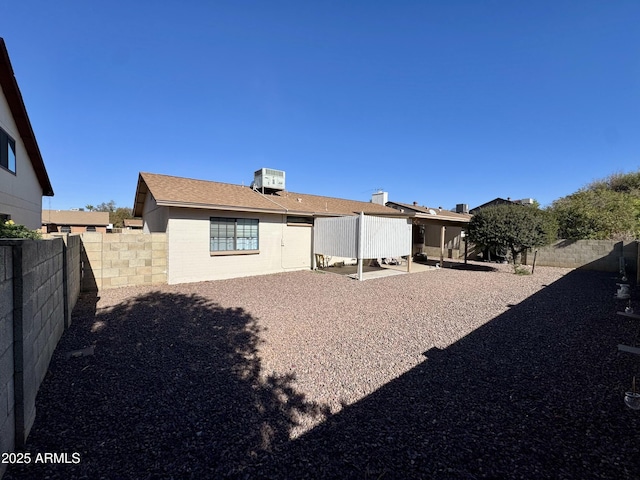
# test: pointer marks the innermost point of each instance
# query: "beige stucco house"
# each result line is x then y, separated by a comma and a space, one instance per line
436, 232
23, 176
219, 230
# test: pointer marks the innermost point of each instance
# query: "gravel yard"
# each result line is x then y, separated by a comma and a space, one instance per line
450, 373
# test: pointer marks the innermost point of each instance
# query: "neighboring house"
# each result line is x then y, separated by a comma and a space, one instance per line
436, 232
23, 176
133, 224
502, 201
219, 230
74, 221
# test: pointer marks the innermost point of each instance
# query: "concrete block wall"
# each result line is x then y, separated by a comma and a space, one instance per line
38, 283
602, 255
40, 325
74, 269
7, 408
122, 259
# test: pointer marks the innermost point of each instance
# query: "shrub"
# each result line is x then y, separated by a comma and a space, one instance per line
10, 229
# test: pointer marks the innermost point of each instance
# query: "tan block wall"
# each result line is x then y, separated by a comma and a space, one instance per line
123, 259
602, 255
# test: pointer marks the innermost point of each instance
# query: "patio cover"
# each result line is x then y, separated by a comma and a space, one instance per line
362, 237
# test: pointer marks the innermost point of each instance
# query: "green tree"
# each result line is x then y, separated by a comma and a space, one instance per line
598, 212
619, 182
118, 216
512, 227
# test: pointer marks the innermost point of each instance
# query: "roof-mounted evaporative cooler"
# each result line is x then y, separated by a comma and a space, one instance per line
268, 179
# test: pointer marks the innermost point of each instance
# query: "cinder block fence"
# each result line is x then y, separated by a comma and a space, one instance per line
123, 259
39, 285
601, 255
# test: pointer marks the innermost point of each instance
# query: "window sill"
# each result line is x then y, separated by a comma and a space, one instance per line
7, 169
234, 252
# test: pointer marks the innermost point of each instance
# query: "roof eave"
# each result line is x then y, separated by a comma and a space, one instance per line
207, 206
19, 112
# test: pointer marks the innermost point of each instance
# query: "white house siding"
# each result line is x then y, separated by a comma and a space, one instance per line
20, 194
281, 247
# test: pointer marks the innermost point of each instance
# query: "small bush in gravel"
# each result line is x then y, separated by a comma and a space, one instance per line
520, 270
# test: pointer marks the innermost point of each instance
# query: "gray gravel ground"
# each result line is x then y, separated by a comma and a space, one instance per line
451, 373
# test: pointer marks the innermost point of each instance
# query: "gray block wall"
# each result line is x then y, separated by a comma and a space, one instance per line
39, 284
40, 326
7, 410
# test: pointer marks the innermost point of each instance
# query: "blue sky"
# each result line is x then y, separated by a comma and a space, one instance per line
439, 102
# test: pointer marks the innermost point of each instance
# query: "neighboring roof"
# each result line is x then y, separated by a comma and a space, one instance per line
19, 112
133, 222
186, 192
432, 213
495, 201
75, 217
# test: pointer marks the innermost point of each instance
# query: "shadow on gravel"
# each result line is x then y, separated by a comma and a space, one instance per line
173, 390
536, 393
459, 265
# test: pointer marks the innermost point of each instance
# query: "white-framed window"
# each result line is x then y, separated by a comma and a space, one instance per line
65, 229
233, 234
91, 228
7, 152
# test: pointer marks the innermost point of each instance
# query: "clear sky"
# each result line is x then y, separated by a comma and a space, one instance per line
439, 102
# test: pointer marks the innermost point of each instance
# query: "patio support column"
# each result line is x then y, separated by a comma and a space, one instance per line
466, 249
360, 244
410, 246
442, 230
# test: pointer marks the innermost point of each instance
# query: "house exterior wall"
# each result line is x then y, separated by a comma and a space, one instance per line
154, 218
281, 247
452, 237
20, 193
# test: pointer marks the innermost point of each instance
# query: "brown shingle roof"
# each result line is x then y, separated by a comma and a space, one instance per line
75, 217
133, 222
19, 112
187, 192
